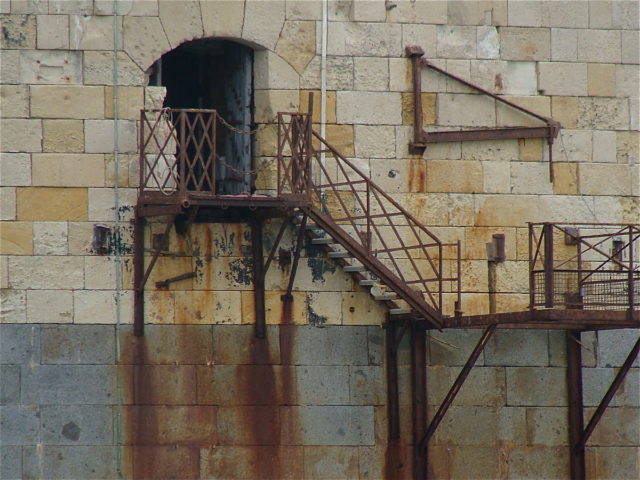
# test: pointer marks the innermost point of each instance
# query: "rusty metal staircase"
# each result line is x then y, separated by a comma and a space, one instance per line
360, 225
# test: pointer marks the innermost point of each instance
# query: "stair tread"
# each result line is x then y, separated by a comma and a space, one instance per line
323, 241
338, 254
385, 297
354, 268
399, 311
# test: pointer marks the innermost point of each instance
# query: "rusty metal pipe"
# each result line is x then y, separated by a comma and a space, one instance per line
576, 406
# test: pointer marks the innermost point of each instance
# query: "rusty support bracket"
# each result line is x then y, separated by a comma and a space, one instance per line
622, 373
288, 297
258, 277
177, 278
457, 385
393, 401
276, 244
419, 398
576, 405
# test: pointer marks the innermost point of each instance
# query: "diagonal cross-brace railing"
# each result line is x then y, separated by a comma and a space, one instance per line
371, 225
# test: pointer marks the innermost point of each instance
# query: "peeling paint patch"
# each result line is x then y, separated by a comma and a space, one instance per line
320, 266
314, 318
241, 271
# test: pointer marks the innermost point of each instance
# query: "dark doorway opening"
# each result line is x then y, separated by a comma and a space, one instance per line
215, 74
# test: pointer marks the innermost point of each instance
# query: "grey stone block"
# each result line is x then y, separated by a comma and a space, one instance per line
19, 343
237, 344
330, 463
19, 424
332, 345
336, 425
614, 346
9, 384
485, 386
534, 386
479, 426
322, 385
255, 425
596, 382
539, 462
167, 344
69, 384
518, 348
452, 347
367, 385
547, 426
77, 462
78, 344
376, 336
11, 462
77, 425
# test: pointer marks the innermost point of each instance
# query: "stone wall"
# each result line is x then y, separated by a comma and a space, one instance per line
576, 62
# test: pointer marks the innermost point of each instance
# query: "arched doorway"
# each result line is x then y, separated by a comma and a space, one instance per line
215, 74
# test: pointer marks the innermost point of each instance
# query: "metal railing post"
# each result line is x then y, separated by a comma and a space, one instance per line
548, 265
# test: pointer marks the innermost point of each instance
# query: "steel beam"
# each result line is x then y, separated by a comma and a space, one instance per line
419, 399
505, 133
258, 277
138, 274
576, 406
393, 402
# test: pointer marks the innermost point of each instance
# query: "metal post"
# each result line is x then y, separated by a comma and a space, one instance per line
419, 399
532, 297
631, 286
258, 277
417, 146
548, 265
392, 381
576, 407
138, 274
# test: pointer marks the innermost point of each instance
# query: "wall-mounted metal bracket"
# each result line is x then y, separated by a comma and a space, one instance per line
421, 137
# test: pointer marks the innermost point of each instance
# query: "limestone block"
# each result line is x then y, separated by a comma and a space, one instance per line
269, 102
374, 141
497, 177
565, 14
10, 66
94, 306
50, 238
99, 136
7, 203
603, 113
627, 147
597, 381
625, 15
525, 13
67, 102
525, 43
488, 42
626, 81
340, 73
396, 176
428, 108
63, 136
599, 46
565, 111
358, 308
601, 80
461, 68
509, 116
365, 39
490, 210
297, 44
50, 67
13, 306
128, 173
512, 302
271, 71
534, 386
124, 7
531, 149
468, 178
18, 31
20, 135
539, 462
16, 238
630, 47
371, 73
560, 78
367, 11
53, 32
101, 203
51, 204
4, 272
564, 45
600, 13
54, 272
369, 108
100, 272
599, 179
181, 20
477, 13
419, 12
98, 69
71, 6
15, 169
331, 104
200, 307
27, 6
80, 238
222, 18
49, 306
130, 102
573, 146
565, 178
304, 11
400, 76
424, 36
154, 97
481, 460
466, 110
530, 178
90, 32
618, 427
144, 40
15, 100
604, 146
476, 239
456, 42
68, 170
263, 22
568, 208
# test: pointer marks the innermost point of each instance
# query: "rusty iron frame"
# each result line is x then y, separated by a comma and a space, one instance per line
422, 137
